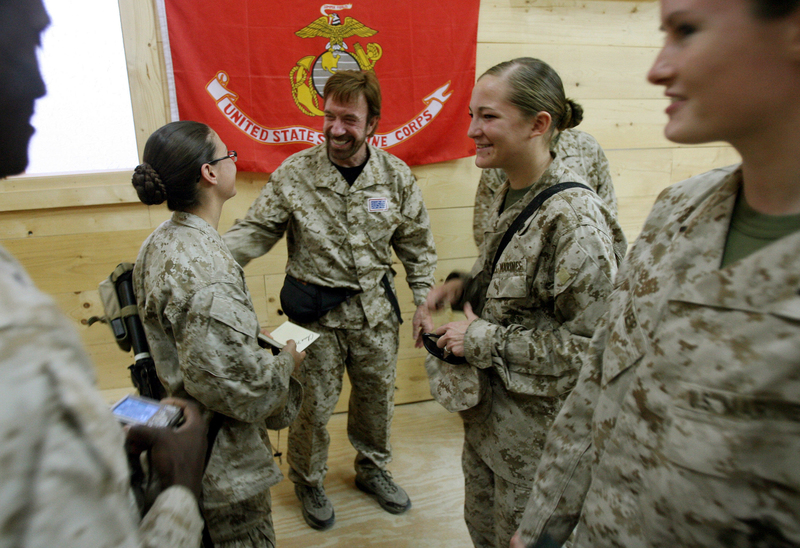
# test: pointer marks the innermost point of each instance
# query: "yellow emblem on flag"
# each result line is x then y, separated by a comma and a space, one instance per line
309, 75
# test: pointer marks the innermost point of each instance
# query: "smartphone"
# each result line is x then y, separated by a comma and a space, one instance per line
138, 410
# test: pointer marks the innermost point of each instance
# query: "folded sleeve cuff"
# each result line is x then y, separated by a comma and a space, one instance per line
479, 343
174, 520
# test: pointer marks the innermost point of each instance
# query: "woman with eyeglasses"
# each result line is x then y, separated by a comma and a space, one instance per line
202, 330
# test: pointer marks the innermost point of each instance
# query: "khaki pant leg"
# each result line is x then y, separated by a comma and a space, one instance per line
372, 368
510, 500
244, 524
478, 498
321, 376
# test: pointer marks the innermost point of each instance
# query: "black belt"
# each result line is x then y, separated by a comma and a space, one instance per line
391, 296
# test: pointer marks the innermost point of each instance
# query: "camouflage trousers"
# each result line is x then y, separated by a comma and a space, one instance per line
243, 524
370, 358
493, 507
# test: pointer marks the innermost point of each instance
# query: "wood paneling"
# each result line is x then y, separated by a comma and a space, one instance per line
70, 190
558, 22
146, 68
75, 262
587, 71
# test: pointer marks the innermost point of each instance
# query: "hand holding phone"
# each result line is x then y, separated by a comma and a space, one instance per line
138, 410
176, 454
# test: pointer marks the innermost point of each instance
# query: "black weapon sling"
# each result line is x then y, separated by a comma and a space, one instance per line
529, 210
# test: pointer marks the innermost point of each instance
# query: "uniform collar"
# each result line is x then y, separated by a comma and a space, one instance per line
553, 175
762, 281
702, 234
192, 221
330, 178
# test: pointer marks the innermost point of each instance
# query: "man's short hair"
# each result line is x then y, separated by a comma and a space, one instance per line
346, 86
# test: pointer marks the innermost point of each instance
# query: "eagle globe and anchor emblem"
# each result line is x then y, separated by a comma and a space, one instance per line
309, 75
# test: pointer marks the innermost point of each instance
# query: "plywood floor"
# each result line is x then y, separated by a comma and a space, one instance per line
426, 443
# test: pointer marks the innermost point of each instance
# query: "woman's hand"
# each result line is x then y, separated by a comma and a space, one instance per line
452, 334
291, 348
449, 292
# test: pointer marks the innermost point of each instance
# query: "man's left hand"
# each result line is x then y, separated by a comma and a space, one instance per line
422, 323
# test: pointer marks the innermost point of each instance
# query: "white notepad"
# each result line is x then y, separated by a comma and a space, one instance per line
300, 335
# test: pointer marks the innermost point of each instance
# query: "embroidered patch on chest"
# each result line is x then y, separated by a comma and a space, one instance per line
378, 204
510, 266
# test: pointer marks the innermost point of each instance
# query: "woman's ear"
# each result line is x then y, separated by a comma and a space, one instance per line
207, 174
541, 124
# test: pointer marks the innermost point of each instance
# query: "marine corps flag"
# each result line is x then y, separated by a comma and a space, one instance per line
255, 71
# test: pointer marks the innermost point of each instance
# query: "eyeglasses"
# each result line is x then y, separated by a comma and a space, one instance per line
231, 154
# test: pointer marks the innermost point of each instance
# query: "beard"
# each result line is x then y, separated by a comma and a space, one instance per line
342, 154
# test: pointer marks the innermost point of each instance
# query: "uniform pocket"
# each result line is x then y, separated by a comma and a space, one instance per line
235, 315
727, 434
730, 466
788, 309
380, 233
327, 237
508, 287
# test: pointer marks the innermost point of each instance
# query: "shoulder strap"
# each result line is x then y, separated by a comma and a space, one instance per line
529, 210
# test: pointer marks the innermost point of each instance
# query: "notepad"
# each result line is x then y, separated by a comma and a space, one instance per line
290, 331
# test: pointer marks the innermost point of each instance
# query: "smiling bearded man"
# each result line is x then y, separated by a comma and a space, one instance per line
345, 206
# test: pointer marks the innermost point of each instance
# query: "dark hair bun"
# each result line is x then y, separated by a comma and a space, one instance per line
573, 115
148, 185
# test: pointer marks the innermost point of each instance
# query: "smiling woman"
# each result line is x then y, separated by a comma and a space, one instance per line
88, 103
538, 289
683, 427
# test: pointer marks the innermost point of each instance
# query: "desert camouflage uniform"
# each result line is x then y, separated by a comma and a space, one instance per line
688, 411
201, 327
334, 240
547, 293
64, 479
578, 152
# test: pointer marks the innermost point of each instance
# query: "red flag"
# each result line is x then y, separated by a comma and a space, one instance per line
255, 71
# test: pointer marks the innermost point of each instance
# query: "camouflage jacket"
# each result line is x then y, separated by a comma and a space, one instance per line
686, 419
340, 235
542, 306
202, 329
578, 152
65, 480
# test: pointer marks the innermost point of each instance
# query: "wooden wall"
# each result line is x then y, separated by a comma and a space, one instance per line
71, 231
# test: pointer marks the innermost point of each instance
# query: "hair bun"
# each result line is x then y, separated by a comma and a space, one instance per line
573, 115
148, 185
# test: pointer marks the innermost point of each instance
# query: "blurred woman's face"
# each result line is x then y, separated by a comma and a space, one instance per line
725, 71
500, 131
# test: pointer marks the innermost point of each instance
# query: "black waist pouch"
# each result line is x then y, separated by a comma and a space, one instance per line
305, 302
